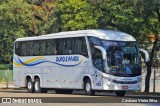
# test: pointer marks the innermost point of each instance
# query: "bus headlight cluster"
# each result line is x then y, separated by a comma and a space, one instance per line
139, 79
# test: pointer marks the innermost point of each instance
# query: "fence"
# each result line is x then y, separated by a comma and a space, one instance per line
154, 84
3, 76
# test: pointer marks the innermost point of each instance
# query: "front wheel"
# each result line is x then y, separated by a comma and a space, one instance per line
88, 88
120, 93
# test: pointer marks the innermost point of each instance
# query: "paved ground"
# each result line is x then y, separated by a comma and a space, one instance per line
78, 98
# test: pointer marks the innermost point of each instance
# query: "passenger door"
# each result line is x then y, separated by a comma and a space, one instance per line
98, 67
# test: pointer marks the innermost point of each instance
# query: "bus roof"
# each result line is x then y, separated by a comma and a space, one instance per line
102, 34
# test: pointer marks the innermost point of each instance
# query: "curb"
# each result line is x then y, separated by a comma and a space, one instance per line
12, 89
10, 86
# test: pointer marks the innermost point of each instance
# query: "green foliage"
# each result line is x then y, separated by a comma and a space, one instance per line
5, 66
44, 17
76, 15
3, 78
15, 18
21, 18
119, 15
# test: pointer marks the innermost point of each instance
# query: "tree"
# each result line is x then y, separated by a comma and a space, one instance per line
44, 17
76, 15
23, 18
15, 19
150, 13
140, 18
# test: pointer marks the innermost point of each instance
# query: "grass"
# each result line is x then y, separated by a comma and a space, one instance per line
3, 76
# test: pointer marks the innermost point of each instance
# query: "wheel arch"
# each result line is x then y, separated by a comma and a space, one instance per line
37, 76
85, 78
27, 78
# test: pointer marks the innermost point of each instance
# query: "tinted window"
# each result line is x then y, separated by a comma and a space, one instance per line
62, 46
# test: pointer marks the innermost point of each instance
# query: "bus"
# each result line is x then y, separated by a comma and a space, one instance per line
90, 60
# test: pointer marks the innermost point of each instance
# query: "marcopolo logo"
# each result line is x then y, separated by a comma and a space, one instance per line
67, 59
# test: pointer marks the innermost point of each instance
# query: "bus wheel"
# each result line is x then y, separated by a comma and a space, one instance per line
37, 88
120, 93
30, 87
88, 88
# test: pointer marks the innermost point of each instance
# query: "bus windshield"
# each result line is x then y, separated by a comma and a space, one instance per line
123, 57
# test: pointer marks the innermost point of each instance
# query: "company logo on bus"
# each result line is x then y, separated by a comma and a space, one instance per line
67, 59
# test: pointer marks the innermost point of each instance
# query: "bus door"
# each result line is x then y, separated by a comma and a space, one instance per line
98, 67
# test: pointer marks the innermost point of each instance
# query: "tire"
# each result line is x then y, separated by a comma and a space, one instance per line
120, 93
64, 91
30, 86
37, 88
88, 88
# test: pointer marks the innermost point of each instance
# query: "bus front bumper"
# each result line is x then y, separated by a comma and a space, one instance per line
123, 87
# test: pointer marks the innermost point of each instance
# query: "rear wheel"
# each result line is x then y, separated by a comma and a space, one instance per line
37, 88
120, 93
88, 88
30, 86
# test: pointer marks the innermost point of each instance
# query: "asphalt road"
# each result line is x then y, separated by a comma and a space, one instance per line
78, 98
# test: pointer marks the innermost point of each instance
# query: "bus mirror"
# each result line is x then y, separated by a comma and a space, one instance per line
146, 54
102, 50
105, 65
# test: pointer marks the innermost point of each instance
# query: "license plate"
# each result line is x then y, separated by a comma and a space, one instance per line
124, 87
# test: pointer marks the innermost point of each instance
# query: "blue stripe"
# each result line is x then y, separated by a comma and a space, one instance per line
37, 62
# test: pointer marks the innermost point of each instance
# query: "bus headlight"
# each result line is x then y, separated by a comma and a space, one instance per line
139, 79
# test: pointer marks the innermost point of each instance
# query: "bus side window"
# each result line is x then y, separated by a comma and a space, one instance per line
27, 50
84, 48
53, 47
56, 47
23, 49
47, 47
18, 48
69, 46
31, 50
59, 46
41, 47
65, 48
36, 48
80, 46
97, 59
72, 45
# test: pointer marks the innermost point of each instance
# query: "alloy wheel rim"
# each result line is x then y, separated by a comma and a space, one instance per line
36, 86
88, 87
29, 85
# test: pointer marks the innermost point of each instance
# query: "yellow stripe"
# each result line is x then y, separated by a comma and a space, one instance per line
17, 64
28, 61
33, 59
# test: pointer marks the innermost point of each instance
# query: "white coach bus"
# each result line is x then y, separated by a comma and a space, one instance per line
93, 60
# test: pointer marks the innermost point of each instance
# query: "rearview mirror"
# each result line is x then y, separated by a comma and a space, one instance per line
146, 55
103, 51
